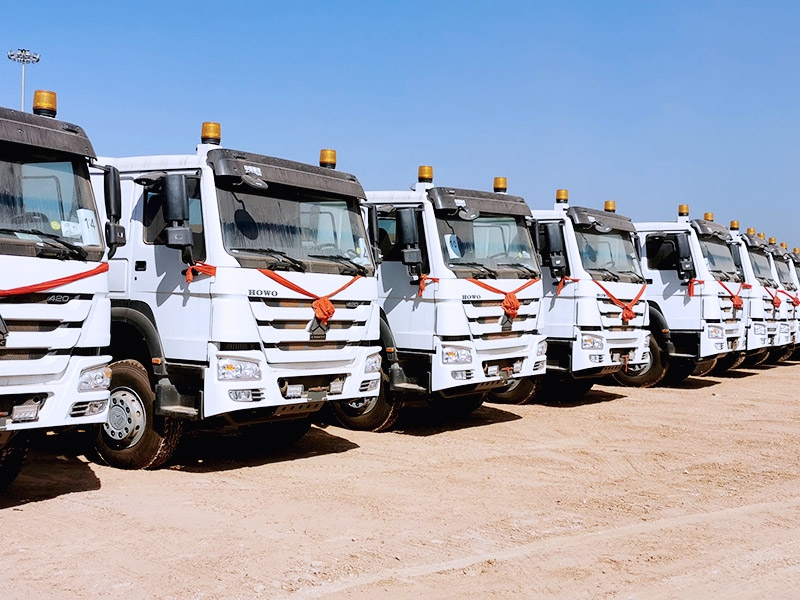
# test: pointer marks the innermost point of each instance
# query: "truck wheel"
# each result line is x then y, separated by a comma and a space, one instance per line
753, 360
368, 414
649, 374
778, 355
522, 390
679, 370
133, 437
704, 367
728, 362
12, 456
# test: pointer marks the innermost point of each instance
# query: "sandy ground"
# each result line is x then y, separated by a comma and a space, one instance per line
690, 492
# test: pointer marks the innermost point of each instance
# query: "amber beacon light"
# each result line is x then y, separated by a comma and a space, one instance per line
500, 185
210, 133
44, 103
327, 158
425, 174
610, 206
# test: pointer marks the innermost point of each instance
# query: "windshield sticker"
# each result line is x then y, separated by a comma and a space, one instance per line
453, 245
70, 229
88, 223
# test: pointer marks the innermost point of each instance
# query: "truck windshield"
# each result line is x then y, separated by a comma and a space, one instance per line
489, 246
784, 273
610, 255
47, 207
289, 228
719, 259
761, 268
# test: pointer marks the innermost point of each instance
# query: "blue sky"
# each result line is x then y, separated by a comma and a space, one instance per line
649, 103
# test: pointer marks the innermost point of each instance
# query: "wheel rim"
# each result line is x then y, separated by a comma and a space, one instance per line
361, 406
126, 417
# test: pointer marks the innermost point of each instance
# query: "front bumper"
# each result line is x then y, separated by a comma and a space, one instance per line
619, 348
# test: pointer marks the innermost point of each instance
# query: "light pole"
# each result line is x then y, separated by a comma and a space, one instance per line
23, 57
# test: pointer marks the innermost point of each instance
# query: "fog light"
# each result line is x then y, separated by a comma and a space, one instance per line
96, 407
492, 370
719, 346
538, 366
97, 378
373, 385
517, 367
460, 375
596, 358
240, 395
337, 385
541, 348
25, 412
715, 333
294, 391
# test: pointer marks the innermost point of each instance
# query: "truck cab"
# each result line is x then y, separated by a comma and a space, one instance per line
54, 308
694, 287
594, 293
460, 294
245, 299
787, 292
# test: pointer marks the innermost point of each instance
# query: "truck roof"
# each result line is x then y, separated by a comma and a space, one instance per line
43, 132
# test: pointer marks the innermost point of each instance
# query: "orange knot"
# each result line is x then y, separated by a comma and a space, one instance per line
422, 282
200, 267
510, 305
323, 309
737, 302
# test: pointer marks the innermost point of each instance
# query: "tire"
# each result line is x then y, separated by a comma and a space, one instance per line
704, 367
12, 457
134, 437
778, 355
754, 360
378, 413
275, 435
678, 371
647, 375
520, 391
728, 362
458, 406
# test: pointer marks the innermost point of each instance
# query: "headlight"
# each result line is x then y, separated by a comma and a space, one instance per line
759, 329
541, 348
373, 363
98, 378
591, 342
451, 355
238, 369
784, 328
716, 333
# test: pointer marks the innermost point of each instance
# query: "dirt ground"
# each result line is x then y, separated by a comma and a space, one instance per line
689, 492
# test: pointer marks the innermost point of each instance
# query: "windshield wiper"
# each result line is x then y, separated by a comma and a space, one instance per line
355, 268
638, 278
525, 268
723, 275
283, 258
66, 249
483, 269
608, 275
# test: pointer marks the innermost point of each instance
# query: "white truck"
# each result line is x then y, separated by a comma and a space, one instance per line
767, 331
54, 308
787, 293
245, 299
460, 295
697, 313
594, 295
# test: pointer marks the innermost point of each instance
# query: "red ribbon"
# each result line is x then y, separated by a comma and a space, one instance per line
510, 303
200, 267
54, 283
776, 302
795, 299
561, 283
736, 299
627, 309
692, 283
424, 278
322, 305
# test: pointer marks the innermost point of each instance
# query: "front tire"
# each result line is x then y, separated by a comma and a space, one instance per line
12, 457
377, 413
646, 375
133, 437
520, 391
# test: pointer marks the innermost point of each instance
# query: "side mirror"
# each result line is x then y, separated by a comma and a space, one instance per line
372, 230
408, 234
176, 212
554, 243
685, 264
114, 232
